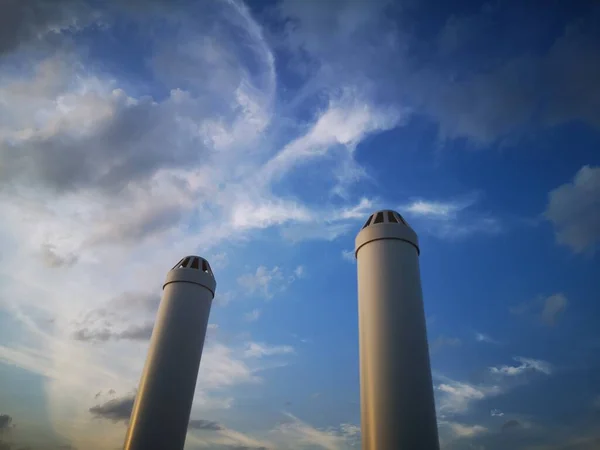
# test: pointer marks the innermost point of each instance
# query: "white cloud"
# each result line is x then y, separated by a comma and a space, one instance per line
457, 396
295, 433
554, 306
345, 122
218, 260
249, 215
436, 209
574, 210
526, 365
300, 272
252, 316
482, 337
291, 434
348, 255
258, 350
221, 367
264, 280
223, 299
496, 413
460, 430
268, 282
226, 438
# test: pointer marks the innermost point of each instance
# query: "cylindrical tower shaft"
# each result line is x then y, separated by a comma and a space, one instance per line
397, 402
163, 402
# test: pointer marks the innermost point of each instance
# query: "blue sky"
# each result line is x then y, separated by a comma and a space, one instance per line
261, 135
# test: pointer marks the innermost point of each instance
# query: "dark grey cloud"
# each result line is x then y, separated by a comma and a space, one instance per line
134, 332
117, 410
113, 146
547, 309
510, 424
482, 75
519, 93
36, 20
5, 421
137, 332
493, 75
124, 142
146, 302
126, 146
338, 43
113, 320
41, 22
135, 225
201, 424
52, 259
574, 210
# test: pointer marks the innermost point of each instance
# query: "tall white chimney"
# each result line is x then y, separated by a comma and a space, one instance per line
163, 402
397, 402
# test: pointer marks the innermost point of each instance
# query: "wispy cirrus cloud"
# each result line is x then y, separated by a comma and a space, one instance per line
268, 282
253, 315
461, 430
258, 350
457, 397
482, 337
526, 365
442, 210
452, 218
348, 255
294, 431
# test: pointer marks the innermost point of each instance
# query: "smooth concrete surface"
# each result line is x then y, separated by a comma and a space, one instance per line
163, 403
397, 402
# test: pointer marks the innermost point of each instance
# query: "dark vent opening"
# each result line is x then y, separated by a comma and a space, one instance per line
206, 266
195, 263
378, 218
178, 264
185, 262
392, 217
401, 219
368, 221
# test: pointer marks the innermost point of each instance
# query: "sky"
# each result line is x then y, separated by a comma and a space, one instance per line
261, 135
